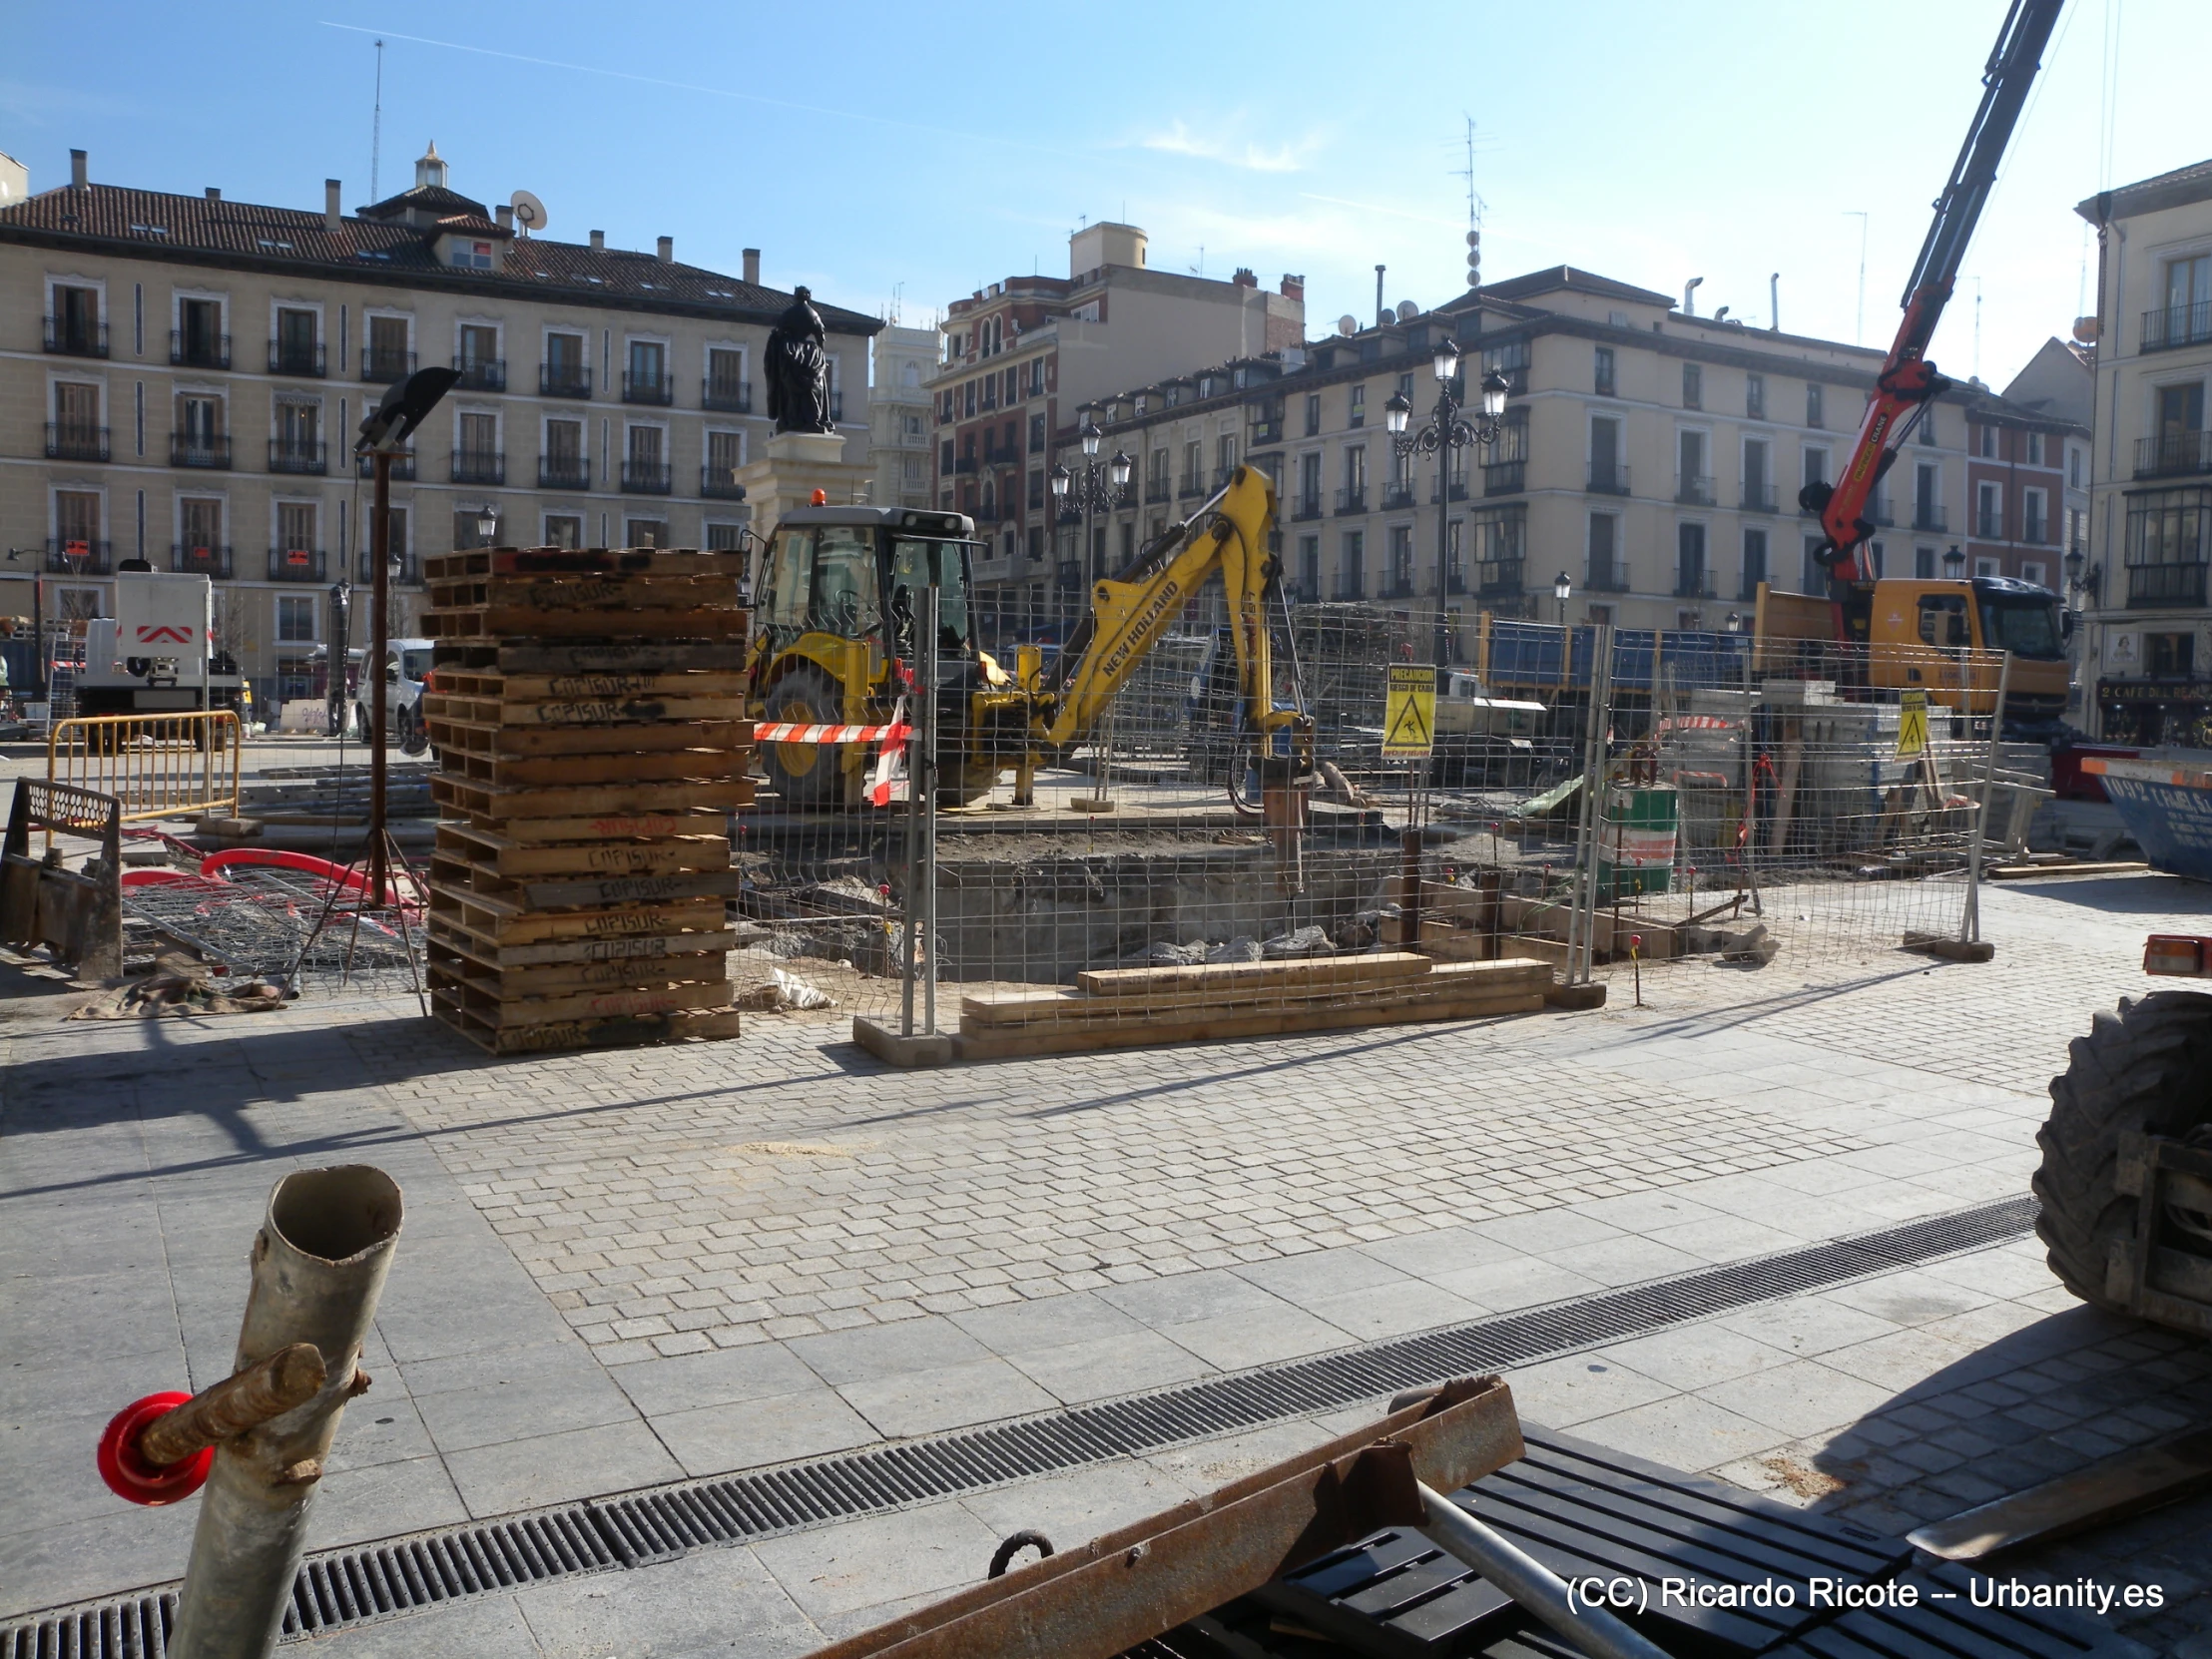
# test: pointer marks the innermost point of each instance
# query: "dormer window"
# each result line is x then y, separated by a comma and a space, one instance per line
467, 253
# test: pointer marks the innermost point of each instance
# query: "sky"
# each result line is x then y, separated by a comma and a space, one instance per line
895, 159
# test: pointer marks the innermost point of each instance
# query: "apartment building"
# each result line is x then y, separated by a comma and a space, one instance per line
180, 377
2147, 645
2026, 494
898, 417
1020, 353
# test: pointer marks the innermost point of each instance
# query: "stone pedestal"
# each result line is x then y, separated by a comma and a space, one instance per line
795, 465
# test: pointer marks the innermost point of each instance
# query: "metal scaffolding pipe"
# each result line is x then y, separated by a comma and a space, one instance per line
318, 1265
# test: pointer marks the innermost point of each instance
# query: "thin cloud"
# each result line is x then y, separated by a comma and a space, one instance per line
1179, 140
1377, 208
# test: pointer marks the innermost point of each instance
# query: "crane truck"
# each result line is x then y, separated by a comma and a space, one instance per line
836, 601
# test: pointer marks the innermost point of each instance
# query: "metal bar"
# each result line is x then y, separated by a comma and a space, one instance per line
928, 905
1141, 1581
1529, 1582
318, 1264
1969, 923
380, 865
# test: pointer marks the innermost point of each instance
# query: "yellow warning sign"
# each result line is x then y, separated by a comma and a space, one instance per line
1912, 724
1410, 715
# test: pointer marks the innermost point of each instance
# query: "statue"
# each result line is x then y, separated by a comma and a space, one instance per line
798, 369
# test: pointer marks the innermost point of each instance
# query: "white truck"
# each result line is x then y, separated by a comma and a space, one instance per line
157, 654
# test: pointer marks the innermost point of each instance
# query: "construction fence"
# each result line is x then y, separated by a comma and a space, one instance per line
1751, 802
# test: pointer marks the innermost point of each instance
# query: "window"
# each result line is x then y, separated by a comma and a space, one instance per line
1815, 466
478, 437
295, 618
2035, 515
1604, 379
1926, 510
1192, 466
564, 530
199, 422
645, 532
1988, 515
1755, 397
1599, 616
2073, 467
1225, 452
479, 350
1401, 580
1357, 409
724, 454
200, 523
396, 542
1691, 482
1693, 386
1813, 411
2033, 570
1036, 434
2170, 656
1755, 562
1878, 561
1603, 573
2188, 315
1036, 487
565, 374
387, 354
724, 538
2166, 546
77, 321
968, 399
1689, 561
295, 528
294, 352
1608, 474
1352, 560
1758, 476
1312, 413
1355, 470
1309, 567
201, 342
2034, 449
648, 365
1455, 566
1988, 567
1985, 442
1308, 483
1036, 377
1923, 564
645, 448
1928, 425
1811, 578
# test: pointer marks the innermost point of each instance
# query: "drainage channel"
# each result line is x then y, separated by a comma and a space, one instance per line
399, 1576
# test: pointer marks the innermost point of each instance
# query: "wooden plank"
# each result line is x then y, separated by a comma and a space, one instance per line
607, 711
628, 889
487, 1006
603, 857
523, 687
484, 948
620, 657
581, 561
534, 832
501, 622
1213, 1029
613, 591
1311, 970
2025, 872
2124, 1483
1066, 1010
571, 978
617, 767
492, 742
506, 922
486, 801
624, 1033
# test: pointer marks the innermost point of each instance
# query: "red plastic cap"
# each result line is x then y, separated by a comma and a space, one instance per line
126, 1469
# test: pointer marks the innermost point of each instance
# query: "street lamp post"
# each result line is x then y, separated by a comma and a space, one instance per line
1087, 492
1444, 431
1562, 590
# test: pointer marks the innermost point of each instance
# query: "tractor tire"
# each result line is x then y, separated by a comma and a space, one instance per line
2147, 1068
806, 774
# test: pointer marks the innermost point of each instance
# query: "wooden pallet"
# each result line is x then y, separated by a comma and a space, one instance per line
491, 804
552, 979
600, 766
613, 592
591, 656
498, 623
483, 1004
580, 711
629, 1031
487, 950
491, 741
599, 856
580, 561
500, 686
506, 921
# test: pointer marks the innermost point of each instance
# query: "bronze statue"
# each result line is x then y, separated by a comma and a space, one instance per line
798, 369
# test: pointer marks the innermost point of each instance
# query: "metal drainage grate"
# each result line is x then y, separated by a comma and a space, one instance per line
369, 1581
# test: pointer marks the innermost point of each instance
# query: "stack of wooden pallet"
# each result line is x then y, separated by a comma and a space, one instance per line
587, 708
1138, 1007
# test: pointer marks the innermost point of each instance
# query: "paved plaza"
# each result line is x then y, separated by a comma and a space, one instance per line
627, 1269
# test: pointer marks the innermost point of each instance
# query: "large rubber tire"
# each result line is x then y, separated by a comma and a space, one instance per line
2147, 1068
806, 774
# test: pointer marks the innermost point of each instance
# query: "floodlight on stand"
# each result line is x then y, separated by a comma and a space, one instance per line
1118, 469
1398, 411
1494, 389
1446, 364
1060, 483
1090, 436
404, 406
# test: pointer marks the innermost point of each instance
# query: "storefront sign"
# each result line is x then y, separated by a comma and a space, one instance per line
2154, 691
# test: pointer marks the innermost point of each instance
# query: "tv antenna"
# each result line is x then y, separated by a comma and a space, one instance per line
529, 211
377, 127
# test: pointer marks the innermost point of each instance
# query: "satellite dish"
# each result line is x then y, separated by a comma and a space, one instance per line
1407, 311
529, 211
1347, 324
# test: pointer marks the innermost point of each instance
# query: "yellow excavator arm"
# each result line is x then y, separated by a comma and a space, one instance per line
1130, 612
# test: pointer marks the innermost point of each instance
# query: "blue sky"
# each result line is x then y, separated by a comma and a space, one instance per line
891, 155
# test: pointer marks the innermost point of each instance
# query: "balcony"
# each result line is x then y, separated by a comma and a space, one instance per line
729, 395
1693, 489
298, 455
382, 368
1353, 498
302, 358
1307, 506
406, 573
1758, 498
966, 463
2154, 586
70, 337
190, 348
1398, 586
402, 466
1928, 516
563, 380
479, 467
209, 455
1001, 455
1499, 578
564, 473
1504, 478
1192, 487
1608, 577
1396, 496
1880, 514
200, 561
645, 478
1988, 526
647, 388
2173, 326
1694, 584
1157, 491
1457, 491
71, 557
1266, 431
296, 564
2173, 454
67, 441
1607, 478
1350, 589
717, 484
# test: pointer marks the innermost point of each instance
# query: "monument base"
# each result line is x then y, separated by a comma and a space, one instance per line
795, 465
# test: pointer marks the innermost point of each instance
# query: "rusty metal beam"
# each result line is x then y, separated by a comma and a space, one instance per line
1134, 1583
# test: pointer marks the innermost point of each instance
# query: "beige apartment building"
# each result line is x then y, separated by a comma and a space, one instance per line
1650, 457
898, 417
181, 378
2147, 645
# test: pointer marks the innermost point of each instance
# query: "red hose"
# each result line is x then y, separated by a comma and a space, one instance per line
345, 875
155, 877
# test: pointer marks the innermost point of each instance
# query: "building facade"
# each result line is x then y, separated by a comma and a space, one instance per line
180, 377
900, 419
1020, 353
2147, 646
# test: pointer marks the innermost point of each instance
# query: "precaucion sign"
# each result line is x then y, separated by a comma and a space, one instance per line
1912, 724
1409, 716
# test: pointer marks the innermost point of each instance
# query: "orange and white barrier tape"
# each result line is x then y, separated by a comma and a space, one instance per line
791, 731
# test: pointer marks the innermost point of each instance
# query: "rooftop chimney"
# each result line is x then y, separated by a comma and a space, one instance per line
505, 213
331, 212
599, 242
214, 193
666, 247
77, 179
1244, 279
753, 266
1293, 287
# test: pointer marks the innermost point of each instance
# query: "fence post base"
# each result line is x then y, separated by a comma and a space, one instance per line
920, 1050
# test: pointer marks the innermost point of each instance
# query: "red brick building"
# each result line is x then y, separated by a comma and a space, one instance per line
2018, 515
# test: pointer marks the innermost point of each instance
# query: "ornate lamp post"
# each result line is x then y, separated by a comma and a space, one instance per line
1562, 590
1444, 431
1955, 562
1088, 492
